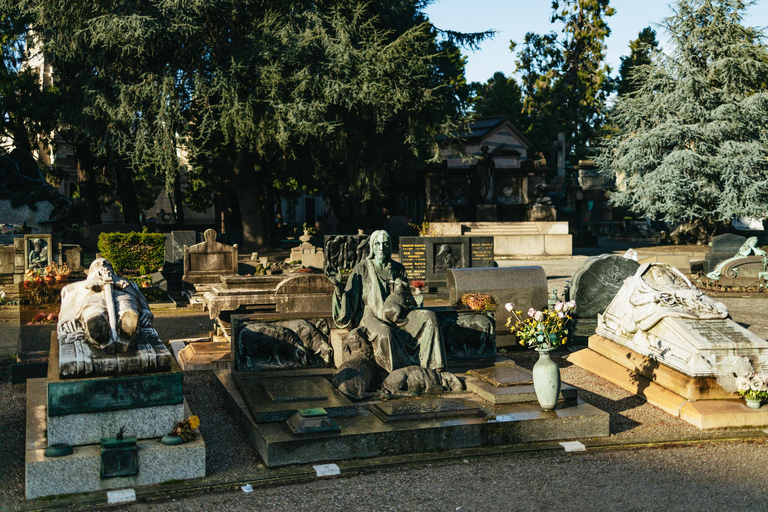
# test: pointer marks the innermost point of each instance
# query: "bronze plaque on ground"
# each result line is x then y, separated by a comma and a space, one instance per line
501, 376
423, 409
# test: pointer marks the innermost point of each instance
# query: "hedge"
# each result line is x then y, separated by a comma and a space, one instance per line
128, 252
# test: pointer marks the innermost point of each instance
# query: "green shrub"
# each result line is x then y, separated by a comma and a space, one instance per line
128, 252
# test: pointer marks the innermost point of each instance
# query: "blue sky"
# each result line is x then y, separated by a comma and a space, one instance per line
513, 18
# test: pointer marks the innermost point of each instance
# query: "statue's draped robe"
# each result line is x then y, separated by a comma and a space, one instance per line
648, 302
417, 341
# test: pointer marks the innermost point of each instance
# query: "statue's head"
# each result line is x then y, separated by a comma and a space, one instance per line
381, 246
444, 250
101, 266
38, 243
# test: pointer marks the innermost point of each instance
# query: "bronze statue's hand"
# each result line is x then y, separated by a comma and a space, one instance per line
335, 278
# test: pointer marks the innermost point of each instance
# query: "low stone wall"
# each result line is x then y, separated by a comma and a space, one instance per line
515, 239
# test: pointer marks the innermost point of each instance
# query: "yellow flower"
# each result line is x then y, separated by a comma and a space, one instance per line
194, 422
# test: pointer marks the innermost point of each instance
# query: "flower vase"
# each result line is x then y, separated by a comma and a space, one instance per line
418, 297
546, 380
753, 404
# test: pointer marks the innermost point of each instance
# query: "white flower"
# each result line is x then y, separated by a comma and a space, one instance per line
509, 305
561, 315
559, 307
531, 312
742, 383
2, 294
571, 304
538, 316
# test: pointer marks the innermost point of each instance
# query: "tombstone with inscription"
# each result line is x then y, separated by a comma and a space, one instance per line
658, 313
109, 374
206, 262
428, 258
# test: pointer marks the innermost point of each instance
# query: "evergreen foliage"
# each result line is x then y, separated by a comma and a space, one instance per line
130, 252
500, 95
691, 143
565, 79
639, 54
344, 97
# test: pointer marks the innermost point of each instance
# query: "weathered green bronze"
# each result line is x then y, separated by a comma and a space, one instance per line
119, 457
115, 393
311, 422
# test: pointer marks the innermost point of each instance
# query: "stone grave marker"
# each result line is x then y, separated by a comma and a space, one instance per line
658, 313
595, 283
526, 287
205, 262
428, 258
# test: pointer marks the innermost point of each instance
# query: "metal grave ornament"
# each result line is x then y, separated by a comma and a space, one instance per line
312, 421
119, 456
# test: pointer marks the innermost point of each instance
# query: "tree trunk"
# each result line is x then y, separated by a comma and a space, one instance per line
86, 184
249, 182
127, 192
178, 199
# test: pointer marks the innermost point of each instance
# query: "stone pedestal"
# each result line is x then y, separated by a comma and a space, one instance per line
80, 471
507, 383
541, 213
81, 411
406, 426
698, 401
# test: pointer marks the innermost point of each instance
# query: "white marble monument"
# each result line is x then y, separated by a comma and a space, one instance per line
660, 314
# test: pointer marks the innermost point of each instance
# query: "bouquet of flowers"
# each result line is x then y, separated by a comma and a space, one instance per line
743, 379
480, 302
187, 429
546, 329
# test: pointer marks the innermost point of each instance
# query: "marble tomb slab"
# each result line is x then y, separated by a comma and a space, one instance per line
424, 409
274, 398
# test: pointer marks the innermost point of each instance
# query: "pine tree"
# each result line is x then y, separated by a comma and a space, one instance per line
691, 142
500, 95
565, 79
640, 54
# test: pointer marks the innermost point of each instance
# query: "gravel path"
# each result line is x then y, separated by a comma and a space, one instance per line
704, 477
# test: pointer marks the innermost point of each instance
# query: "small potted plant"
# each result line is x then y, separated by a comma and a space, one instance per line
183, 431
543, 331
